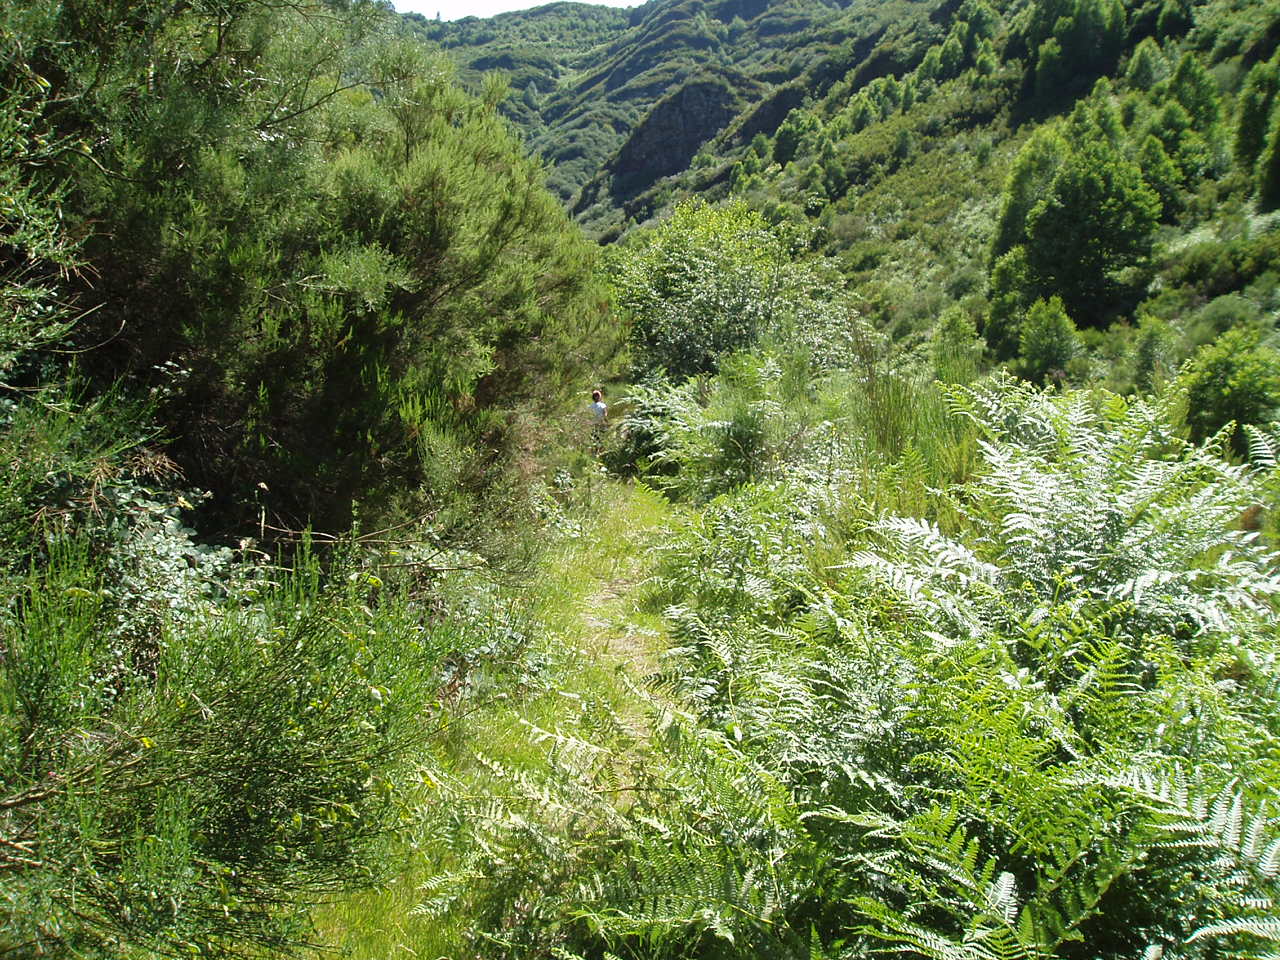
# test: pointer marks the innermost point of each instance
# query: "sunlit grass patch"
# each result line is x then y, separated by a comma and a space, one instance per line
592, 648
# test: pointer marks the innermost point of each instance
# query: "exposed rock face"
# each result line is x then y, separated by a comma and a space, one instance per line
666, 140
769, 113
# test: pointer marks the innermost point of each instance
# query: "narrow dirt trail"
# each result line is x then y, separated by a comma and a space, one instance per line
596, 645
613, 629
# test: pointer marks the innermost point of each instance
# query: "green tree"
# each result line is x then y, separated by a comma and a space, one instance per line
1011, 292
1147, 65
1152, 353
798, 125
860, 112
951, 58
930, 68
1268, 172
985, 61
955, 348
908, 93
1096, 219
1174, 19
704, 283
1096, 116
190, 752
903, 143
1047, 341
1192, 87
1029, 177
1052, 70
1162, 175
332, 249
1074, 41
1235, 379
983, 22
35, 243
1190, 150
1256, 100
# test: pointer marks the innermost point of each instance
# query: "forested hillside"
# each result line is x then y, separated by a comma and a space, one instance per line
620, 103
916, 597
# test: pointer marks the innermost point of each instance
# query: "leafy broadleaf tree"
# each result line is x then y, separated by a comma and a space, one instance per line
704, 283
1236, 380
1096, 219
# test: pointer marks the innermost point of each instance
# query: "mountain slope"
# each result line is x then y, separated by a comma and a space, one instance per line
676, 75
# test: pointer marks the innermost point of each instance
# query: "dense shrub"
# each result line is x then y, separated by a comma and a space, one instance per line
1235, 380
189, 779
712, 280
332, 263
1047, 342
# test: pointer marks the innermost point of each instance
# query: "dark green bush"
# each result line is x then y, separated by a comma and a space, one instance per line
1047, 342
1236, 380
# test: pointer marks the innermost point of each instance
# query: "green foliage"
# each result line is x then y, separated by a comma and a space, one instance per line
1268, 174
1052, 69
191, 785
1047, 342
194, 744
1255, 107
1085, 36
328, 264
1212, 268
1029, 178
35, 244
1095, 220
786, 142
708, 281
1192, 87
1010, 286
704, 283
1161, 175
1235, 380
955, 349
1152, 353
1077, 219
958, 668
1147, 65
872, 735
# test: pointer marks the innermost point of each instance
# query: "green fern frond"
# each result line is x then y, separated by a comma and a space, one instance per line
1262, 929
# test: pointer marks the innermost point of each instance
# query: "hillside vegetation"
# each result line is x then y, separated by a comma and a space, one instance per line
918, 597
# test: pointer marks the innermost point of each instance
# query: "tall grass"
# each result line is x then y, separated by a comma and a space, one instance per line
882, 427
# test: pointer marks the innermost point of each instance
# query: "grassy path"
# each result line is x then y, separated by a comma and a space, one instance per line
597, 644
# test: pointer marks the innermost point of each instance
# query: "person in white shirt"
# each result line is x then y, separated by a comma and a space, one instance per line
599, 411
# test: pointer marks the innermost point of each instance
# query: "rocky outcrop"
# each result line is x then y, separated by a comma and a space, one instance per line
667, 139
